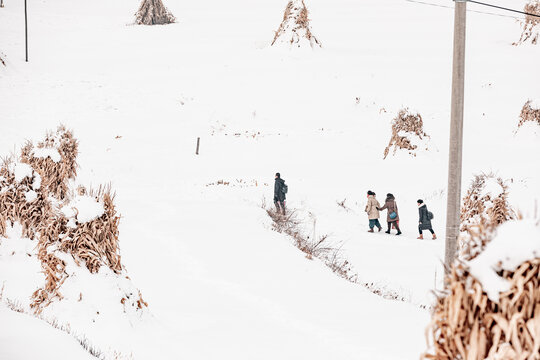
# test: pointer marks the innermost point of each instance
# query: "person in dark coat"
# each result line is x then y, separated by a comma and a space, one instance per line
279, 194
391, 207
424, 220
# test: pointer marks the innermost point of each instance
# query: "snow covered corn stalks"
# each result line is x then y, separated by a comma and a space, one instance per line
467, 325
407, 132
530, 25
153, 12
484, 208
529, 113
295, 26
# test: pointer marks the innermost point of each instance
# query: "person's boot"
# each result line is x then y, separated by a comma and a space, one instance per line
398, 232
380, 228
370, 230
434, 237
387, 231
421, 237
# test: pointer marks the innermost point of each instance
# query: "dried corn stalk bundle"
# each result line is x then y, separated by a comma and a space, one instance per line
528, 113
530, 30
55, 160
484, 208
407, 128
21, 198
153, 12
295, 25
89, 237
95, 242
467, 325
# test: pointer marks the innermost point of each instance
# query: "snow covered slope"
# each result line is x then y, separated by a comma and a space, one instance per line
217, 279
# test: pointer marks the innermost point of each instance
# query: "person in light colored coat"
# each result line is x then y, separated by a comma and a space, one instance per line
372, 210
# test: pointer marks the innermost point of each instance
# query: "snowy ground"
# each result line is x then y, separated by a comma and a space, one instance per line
218, 281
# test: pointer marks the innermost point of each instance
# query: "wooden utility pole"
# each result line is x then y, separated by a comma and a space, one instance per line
456, 134
26, 30
198, 143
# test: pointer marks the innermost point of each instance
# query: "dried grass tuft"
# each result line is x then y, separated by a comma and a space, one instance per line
481, 214
530, 31
405, 127
528, 113
296, 23
466, 324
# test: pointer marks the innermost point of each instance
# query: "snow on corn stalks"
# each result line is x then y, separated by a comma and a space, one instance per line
295, 26
80, 224
529, 113
485, 207
153, 12
490, 308
530, 31
407, 133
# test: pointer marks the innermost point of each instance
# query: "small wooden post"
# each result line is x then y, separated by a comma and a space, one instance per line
198, 143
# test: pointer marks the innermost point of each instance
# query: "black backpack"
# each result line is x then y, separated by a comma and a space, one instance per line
430, 215
284, 188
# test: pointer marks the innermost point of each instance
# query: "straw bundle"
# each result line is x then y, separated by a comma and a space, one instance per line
295, 24
481, 213
55, 175
405, 127
530, 30
528, 113
153, 12
466, 324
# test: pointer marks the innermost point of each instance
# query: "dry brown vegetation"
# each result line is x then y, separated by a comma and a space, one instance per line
528, 113
295, 19
153, 12
530, 30
481, 214
328, 253
91, 244
466, 324
404, 126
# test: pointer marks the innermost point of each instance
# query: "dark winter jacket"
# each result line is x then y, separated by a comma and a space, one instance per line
425, 223
279, 195
391, 205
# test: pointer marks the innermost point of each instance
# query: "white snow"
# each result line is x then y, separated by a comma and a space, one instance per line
84, 208
491, 188
48, 152
21, 171
30, 195
218, 280
515, 243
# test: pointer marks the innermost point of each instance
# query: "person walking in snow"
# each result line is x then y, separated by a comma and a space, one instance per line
280, 189
392, 216
425, 220
372, 211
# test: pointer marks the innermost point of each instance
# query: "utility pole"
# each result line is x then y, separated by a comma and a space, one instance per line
26, 30
456, 134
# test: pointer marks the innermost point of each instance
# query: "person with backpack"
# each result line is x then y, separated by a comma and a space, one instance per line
372, 209
280, 189
425, 220
392, 216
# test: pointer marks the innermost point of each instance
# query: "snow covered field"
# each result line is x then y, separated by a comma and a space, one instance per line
219, 282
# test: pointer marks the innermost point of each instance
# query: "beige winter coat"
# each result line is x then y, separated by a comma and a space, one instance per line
371, 208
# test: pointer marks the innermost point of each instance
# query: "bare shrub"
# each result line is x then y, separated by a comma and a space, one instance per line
482, 212
407, 128
530, 31
295, 25
528, 113
153, 12
466, 324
